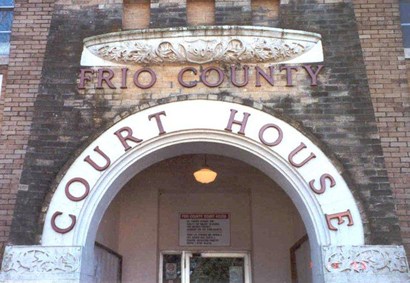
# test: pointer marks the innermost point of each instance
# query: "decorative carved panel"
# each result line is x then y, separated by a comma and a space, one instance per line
33, 259
228, 44
365, 259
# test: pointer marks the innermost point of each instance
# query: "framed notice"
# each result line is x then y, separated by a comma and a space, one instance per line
204, 229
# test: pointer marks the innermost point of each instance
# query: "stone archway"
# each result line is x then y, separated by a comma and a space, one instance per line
283, 153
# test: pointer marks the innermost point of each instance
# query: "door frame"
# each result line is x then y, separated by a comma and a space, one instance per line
187, 255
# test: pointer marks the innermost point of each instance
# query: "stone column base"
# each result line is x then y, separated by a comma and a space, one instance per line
365, 264
41, 264
340, 264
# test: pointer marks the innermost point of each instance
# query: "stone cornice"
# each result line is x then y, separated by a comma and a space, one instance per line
201, 45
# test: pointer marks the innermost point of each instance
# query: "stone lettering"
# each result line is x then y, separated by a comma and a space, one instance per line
101, 78
296, 151
94, 165
245, 76
77, 180
84, 78
339, 216
128, 137
240, 123
62, 230
157, 117
313, 74
263, 130
323, 179
181, 76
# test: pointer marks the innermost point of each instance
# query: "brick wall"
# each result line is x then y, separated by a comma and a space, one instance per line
28, 43
136, 14
361, 154
338, 113
200, 12
3, 72
381, 40
231, 12
265, 12
44, 127
168, 13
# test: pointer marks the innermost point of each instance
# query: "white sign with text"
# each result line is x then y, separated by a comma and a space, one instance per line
204, 229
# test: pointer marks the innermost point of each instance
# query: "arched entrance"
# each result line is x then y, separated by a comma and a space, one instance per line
288, 157
294, 162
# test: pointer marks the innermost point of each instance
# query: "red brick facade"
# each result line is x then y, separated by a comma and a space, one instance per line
381, 40
28, 44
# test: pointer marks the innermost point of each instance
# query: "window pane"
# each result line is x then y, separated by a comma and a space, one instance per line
6, 3
171, 268
405, 12
406, 36
6, 18
217, 270
4, 43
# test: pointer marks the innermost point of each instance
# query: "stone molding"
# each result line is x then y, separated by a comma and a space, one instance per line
40, 262
201, 45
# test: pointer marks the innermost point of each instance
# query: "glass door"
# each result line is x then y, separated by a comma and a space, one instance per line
206, 267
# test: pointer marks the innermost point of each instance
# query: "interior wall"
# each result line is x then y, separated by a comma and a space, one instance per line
276, 227
264, 221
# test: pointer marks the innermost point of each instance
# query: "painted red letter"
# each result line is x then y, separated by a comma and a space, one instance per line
86, 189
102, 78
322, 184
278, 139
128, 136
339, 218
62, 230
240, 123
158, 120
245, 76
181, 75
296, 151
94, 165
84, 78
312, 74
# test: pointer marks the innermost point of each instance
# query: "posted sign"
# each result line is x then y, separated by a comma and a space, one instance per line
204, 229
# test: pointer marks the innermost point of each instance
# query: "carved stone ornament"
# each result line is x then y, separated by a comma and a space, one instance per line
365, 259
34, 260
201, 45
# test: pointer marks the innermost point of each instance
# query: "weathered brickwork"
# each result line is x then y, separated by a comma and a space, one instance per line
28, 42
65, 119
265, 13
359, 113
52, 99
136, 14
168, 13
361, 154
3, 72
233, 12
381, 41
200, 12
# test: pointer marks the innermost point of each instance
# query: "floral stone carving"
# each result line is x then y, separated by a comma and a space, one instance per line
202, 45
365, 259
25, 260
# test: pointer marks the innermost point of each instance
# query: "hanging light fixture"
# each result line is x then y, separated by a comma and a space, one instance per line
205, 175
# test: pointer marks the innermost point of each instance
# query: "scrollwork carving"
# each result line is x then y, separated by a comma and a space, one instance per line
41, 260
365, 259
201, 51
201, 45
